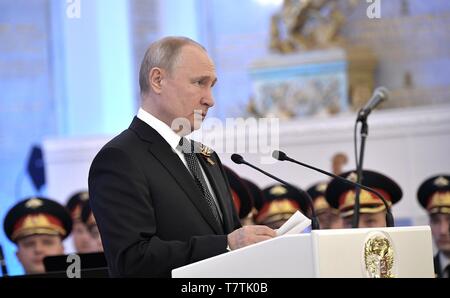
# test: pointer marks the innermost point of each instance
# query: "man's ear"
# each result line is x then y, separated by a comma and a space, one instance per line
155, 77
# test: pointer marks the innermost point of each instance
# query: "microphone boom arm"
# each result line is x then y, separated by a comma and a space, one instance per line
389, 218
314, 221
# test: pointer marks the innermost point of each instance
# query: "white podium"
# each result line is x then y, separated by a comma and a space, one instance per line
372, 252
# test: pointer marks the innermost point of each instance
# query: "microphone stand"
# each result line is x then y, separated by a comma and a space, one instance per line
380, 95
362, 117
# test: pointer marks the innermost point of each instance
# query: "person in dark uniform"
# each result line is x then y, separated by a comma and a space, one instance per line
372, 210
37, 226
240, 192
329, 218
82, 239
257, 199
434, 196
162, 201
88, 219
280, 202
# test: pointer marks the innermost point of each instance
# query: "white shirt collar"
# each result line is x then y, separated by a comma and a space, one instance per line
162, 128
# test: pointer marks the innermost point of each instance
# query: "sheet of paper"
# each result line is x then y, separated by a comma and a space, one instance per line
296, 224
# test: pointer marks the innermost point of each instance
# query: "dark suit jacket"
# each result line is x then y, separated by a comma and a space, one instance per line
150, 213
438, 270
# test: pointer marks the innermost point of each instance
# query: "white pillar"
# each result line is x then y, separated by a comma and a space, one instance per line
92, 51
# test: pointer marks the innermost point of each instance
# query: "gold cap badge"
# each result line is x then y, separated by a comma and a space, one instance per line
440, 181
278, 190
33, 203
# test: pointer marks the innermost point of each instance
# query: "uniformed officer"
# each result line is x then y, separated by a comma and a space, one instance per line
87, 217
372, 210
37, 226
280, 202
434, 196
82, 239
257, 199
329, 218
241, 195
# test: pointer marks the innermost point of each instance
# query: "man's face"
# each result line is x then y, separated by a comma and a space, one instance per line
330, 220
32, 250
439, 224
186, 92
368, 220
82, 238
336, 221
95, 234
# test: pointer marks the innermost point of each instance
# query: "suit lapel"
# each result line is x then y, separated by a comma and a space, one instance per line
214, 176
162, 151
437, 266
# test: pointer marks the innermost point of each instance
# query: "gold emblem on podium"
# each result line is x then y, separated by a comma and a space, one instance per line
379, 256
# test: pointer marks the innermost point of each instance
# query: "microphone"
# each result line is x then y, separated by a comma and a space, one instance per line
380, 95
236, 158
389, 218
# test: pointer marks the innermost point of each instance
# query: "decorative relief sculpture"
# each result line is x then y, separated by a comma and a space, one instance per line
313, 70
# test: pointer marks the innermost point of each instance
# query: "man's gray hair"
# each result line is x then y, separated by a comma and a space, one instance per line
163, 53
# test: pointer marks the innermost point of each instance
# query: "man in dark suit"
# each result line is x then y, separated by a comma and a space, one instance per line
160, 200
434, 196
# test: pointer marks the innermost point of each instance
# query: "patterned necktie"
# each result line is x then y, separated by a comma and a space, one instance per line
194, 166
